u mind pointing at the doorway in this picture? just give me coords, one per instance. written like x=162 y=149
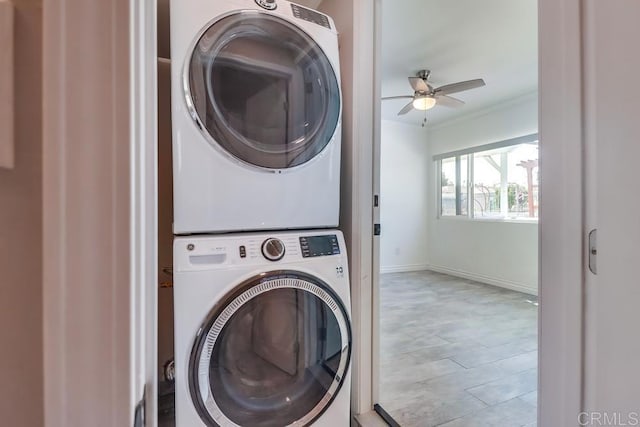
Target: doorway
x=561 y=239
x=458 y=192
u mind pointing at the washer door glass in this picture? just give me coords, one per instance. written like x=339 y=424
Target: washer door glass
x=263 y=90
x=273 y=354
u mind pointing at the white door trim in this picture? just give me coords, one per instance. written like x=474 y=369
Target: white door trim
x=99 y=233
x=144 y=202
x=377 y=125
x=561 y=223
x=361 y=211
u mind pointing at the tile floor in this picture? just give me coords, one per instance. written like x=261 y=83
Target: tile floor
x=457 y=353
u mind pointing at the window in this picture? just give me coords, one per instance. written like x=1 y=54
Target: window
x=504 y=180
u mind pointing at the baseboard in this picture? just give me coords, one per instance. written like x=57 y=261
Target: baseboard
x=404 y=268
x=484 y=279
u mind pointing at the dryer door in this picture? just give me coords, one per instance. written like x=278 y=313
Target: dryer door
x=272 y=354
x=262 y=90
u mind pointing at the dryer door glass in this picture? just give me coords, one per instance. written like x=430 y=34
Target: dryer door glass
x=262 y=90
x=275 y=353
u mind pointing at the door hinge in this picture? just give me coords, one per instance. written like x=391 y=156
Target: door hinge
x=376 y=200
x=376 y=229
x=139 y=415
x=593 y=251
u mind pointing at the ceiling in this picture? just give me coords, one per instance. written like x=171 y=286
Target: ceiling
x=458 y=40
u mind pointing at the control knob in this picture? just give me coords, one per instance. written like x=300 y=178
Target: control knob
x=273 y=249
x=267 y=4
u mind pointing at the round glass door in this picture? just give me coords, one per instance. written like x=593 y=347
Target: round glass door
x=273 y=354
x=263 y=90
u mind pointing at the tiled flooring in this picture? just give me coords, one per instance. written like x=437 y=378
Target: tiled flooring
x=456 y=353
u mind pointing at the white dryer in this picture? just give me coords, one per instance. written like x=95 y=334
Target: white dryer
x=256 y=111
x=263 y=335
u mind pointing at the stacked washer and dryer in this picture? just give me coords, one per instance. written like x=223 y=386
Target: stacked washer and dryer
x=261 y=288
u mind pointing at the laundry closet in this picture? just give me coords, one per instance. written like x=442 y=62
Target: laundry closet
x=254 y=311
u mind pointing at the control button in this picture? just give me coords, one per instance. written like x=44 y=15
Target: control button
x=243 y=252
x=267 y=4
x=273 y=249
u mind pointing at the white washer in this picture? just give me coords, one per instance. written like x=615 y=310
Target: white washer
x=263 y=335
x=256 y=112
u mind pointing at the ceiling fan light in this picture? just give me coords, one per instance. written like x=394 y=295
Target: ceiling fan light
x=424 y=103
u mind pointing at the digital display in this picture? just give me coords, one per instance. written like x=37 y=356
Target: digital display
x=310 y=16
x=315 y=246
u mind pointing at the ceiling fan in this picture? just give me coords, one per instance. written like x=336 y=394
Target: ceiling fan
x=426 y=96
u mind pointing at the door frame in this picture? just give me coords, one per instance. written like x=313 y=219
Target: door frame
x=99 y=211
x=359 y=90
x=561 y=225
x=562 y=231
x=144 y=210
x=99 y=208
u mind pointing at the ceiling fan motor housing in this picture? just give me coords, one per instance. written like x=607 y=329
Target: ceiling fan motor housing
x=424 y=74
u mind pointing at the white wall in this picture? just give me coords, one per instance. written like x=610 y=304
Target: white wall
x=506 y=120
x=499 y=253
x=403 y=194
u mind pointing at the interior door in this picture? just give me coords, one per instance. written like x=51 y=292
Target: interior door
x=612 y=60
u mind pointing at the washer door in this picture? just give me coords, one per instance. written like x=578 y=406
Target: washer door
x=274 y=353
x=262 y=90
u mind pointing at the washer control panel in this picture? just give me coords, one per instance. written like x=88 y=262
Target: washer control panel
x=316 y=246
x=310 y=16
x=200 y=253
x=267 y=4
x=273 y=249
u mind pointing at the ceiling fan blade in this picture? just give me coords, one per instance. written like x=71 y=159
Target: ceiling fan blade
x=448 y=101
x=459 y=87
x=418 y=84
x=406 y=109
x=386 y=98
